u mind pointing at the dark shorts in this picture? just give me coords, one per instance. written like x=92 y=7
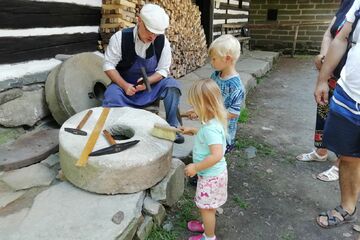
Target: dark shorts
x=341 y=135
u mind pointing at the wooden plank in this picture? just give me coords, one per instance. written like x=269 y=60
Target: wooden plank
x=14 y=49
x=230 y=16
x=93 y=138
x=18 y=14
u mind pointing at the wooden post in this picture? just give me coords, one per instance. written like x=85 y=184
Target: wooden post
x=295 y=39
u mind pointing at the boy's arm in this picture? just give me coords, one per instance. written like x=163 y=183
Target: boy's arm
x=237 y=98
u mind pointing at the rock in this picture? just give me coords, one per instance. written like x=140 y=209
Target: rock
x=65 y=212
x=356 y=227
x=31 y=105
x=171 y=188
x=154 y=209
x=145 y=229
x=250 y=152
x=118 y=217
x=51 y=161
x=28 y=177
x=347 y=235
x=168 y=226
x=266 y=129
x=220 y=210
x=10 y=95
x=9 y=197
x=269 y=170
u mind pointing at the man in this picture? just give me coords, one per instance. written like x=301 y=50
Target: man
x=342 y=128
x=143 y=46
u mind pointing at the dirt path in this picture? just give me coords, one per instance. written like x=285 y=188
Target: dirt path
x=272 y=196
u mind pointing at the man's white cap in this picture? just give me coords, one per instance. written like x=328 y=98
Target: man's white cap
x=155 y=18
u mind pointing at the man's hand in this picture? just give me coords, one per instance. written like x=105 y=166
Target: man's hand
x=129 y=89
x=321 y=93
x=319 y=60
x=188 y=130
x=190 y=170
x=140 y=87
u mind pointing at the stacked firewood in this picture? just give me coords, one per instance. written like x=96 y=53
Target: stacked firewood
x=185 y=33
x=116 y=15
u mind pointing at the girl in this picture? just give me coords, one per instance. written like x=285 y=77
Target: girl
x=208 y=155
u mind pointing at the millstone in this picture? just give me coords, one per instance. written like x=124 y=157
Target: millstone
x=77 y=84
x=135 y=169
x=28 y=149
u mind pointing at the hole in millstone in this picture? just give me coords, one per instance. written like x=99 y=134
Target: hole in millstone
x=121 y=132
x=99 y=90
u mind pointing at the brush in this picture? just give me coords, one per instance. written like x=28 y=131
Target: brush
x=164 y=131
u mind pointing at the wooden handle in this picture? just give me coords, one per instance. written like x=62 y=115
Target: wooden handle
x=85 y=118
x=166 y=127
x=92 y=139
x=108 y=137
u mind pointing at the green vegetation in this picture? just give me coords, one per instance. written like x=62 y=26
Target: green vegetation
x=241 y=203
x=288 y=236
x=160 y=234
x=262 y=149
x=244 y=116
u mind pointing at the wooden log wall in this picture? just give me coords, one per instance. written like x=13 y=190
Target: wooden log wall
x=229 y=11
x=34 y=30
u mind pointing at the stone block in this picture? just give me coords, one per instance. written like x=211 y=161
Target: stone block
x=155 y=210
x=145 y=228
x=171 y=188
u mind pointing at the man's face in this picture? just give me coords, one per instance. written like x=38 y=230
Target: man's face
x=145 y=35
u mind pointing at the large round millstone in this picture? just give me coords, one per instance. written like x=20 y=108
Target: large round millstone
x=77 y=84
x=135 y=169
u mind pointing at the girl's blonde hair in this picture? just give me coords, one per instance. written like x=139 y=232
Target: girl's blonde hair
x=226 y=45
x=205 y=97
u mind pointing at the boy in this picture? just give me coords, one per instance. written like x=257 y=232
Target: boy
x=224 y=53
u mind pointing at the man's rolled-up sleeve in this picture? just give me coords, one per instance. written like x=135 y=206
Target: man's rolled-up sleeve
x=113 y=52
x=164 y=63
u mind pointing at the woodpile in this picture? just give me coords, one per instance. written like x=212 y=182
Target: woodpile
x=185 y=33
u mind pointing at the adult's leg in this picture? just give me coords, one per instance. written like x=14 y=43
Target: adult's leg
x=171 y=98
x=209 y=221
x=349 y=182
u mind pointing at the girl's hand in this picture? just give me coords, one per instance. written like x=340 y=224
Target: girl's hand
x=188 y=130
x=191 y=114
x=190 y=170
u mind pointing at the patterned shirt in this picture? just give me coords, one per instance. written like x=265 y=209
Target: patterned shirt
x=233 y=93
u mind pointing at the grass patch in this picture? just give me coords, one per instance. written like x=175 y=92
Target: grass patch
x=160 y=234
x=288 y=236
x=240 y=202
x=261 y=149
x=187 y=209
x=259 y=80
x=244 y=116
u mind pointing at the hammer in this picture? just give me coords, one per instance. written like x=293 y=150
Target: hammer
x=77 y=130
x=144 y=80
x=115 y=147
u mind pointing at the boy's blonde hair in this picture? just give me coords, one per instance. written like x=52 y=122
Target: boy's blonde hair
x=205 y=97
x=226 y=45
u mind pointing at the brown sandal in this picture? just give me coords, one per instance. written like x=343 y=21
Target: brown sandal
x=334 y=220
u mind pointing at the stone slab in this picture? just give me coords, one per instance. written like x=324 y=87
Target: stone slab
x=30 y=148
x=31 y=105
x=8 y=197
x=32 y=176
x=132 y=170
x=65 y=212
x=255 y=67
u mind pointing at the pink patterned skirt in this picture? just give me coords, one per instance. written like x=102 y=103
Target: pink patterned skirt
x=211 y=192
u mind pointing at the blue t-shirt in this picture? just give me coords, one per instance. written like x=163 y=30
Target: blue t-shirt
x=233 y=93
x=209 y=133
